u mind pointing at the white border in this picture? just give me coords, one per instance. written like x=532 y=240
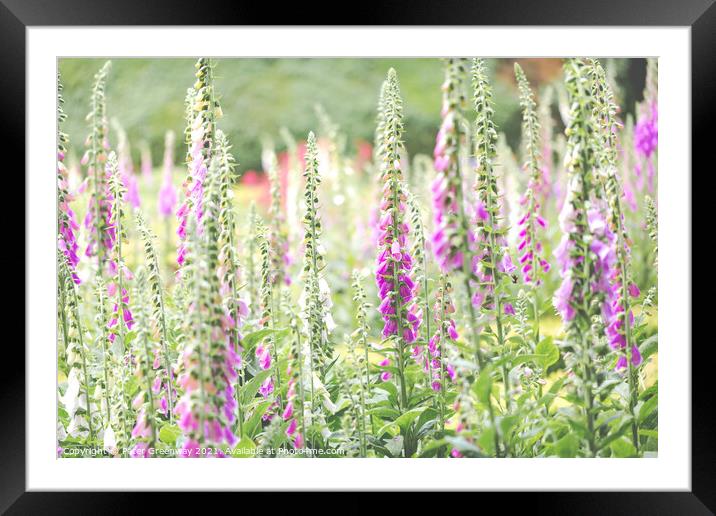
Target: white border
x=671 y=470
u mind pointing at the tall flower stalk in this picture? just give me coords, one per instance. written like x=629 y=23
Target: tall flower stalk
x=393 y=274
x=492 y=263
x=266 y=352
x=359 y=341
x=315 y=298
x=294 y=413
x=103 y=343
x=420 y=267
x=549 y=184
x=379 y=137
x=207 y=409
x=202 y=111
x=585 y=254
x=121 y=318
x=156 y=297
x=435 y=356
x=532 y=263
x=453 y=241
x=100 y=240
x=453 y=238
x=449 y=239
x=293 y=174
x=278 y=238
x=250 y=260
x=236 y=309
x=616 y=309
x=78 y=379
x=145 y=431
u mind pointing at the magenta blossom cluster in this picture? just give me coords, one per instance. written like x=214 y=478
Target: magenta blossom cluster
x=532 y=264
x=447 y=183
x=646 y=140
x=129 y=178
x=208 y=396
x=616 y=320
x=562 y=298
x=193 y=186
x=67 y=221
x=444 y=190
x=126 y=312
x=162 y=387
x=430 y=357
x=395 y=286
x=101 y=201
x=263 y=355
x=141 y=430
x=484 y=293
x=604 y=278
x=288 y=412
x=385 y=375
x=609 y=284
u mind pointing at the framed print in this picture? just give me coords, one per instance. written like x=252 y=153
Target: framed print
x=452 y=255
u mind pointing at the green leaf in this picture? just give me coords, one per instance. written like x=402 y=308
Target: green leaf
x=168 y=434
x=389 y=387
x=405 y=419
x=395 y=445
x=649 y=346
x=250 y=388
x=528 y=357
x=649 y=433
x=129 y=337
x=390 y=428
x=486 y=441
x=425 y=422
x=647 y=408
x=254 y=422
x=507 y=423
x=384 y=412
x=548 y=351
x=616 y=433
x=623 y=448
x=432 y=448
x=249 y=341
x=567 y=446
x=483 y=385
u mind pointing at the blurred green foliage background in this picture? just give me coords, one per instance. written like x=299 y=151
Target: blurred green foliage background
x=259 y=96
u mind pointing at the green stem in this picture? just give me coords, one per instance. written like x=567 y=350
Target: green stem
x=165 y=349
x=491 y=412
x=105 y=353
x=299 y=358
x=95 y=166
x=274 y=345
x=367 y=372
x=442 y=365
x=150 y=414
x=84 y=364
x=588 y=397
x=397 y=300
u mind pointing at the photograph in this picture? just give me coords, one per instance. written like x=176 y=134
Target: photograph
x=357 y=257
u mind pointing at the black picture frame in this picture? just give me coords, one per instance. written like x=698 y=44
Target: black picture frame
x=700 y=15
